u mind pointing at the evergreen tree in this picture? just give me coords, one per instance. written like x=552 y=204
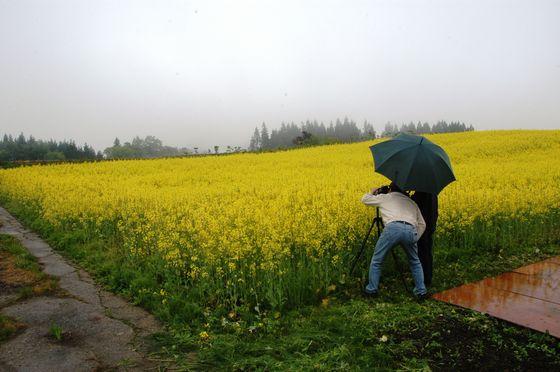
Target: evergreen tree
x=265 y=139
x=390 y=130
x=255 y=143
x=330 y=130
x=368 y=131
x=322 y=130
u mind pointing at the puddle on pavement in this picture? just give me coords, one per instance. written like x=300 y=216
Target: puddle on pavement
x=528 y=296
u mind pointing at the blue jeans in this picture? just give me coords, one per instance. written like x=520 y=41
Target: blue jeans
x=397 y=233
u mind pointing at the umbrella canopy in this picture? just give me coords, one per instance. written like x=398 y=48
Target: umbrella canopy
x=413 y=163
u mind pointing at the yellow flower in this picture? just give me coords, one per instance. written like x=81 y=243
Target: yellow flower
x=204 y=336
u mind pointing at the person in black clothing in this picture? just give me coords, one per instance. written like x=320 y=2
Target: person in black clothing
x=428 y=205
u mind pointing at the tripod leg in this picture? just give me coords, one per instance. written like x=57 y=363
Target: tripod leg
x=362 y=248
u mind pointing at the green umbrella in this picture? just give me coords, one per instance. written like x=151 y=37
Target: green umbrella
x=413 y=163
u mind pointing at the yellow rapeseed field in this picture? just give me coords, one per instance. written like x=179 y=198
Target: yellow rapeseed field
x=252 y=221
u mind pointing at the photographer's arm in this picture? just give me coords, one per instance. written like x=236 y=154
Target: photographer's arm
x=373 y=200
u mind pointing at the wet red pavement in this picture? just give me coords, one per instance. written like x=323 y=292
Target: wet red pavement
x=528 y=296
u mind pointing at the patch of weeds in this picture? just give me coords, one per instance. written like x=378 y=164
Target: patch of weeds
x=20 y=271
x=24 y=292
x=124 y=363
x=47 y=286
x=9 y=327
x=55 y=332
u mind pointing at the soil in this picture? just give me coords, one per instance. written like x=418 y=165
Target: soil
x=451 y=343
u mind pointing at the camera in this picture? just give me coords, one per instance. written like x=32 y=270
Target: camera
x=383 y=190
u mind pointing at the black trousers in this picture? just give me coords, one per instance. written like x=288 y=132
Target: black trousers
x=425 y=245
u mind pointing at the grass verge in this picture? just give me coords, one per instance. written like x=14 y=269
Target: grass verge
x=20 y=272
x=20 y=277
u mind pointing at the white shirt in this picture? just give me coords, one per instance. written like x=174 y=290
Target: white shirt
x=395 y=206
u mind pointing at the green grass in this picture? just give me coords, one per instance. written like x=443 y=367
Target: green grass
x=339 y=329
x=23 y=259
x=55 y=331
x=389 y=333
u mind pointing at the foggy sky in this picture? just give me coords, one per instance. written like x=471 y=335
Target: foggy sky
x=204 y=73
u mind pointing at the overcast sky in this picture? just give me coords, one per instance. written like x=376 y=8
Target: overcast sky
x=200 y=73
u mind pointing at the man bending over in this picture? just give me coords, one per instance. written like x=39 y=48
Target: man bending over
x=404 y=225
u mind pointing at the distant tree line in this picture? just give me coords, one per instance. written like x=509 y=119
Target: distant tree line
x=310 y=133
x=307 y=133
x=29 y=148
x=21 y=148
x=148 y=147
x=425 y=128
x=341 y=131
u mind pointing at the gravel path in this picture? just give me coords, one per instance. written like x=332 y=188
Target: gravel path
x=101 y=331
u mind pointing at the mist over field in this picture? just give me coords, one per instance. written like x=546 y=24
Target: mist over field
x=199 y=74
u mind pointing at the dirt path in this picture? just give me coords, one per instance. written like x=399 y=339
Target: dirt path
x=100 y=330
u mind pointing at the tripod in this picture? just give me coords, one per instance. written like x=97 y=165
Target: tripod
x=377 y=221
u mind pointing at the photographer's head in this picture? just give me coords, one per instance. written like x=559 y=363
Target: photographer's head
x=386 y=189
